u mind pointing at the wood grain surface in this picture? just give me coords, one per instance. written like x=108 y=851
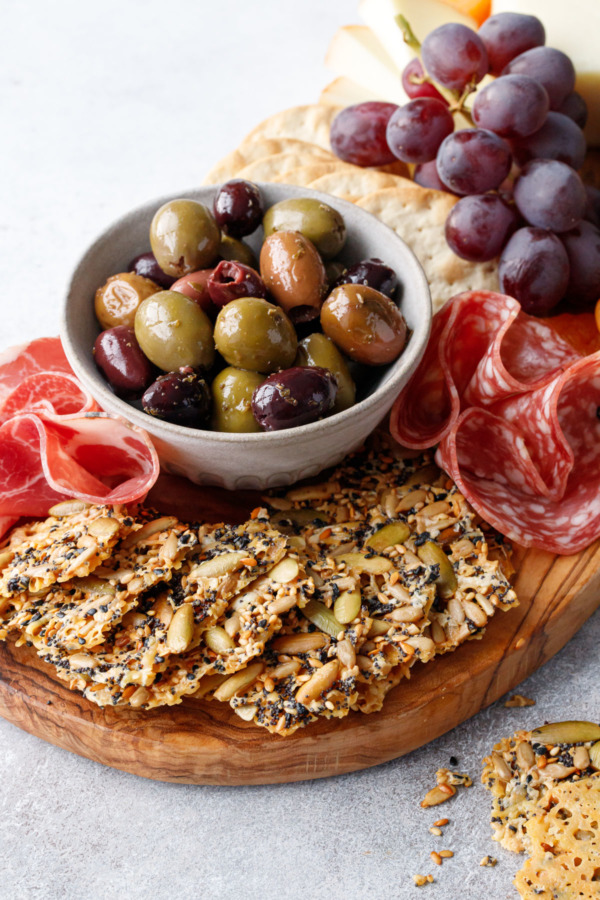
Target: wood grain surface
x=206 y=743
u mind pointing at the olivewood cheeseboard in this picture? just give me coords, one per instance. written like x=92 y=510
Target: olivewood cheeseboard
x=202 y=742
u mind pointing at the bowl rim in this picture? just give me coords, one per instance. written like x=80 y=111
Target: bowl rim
x=166 y=430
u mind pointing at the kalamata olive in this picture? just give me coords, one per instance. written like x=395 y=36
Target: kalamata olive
x=232 y=391
x=294 y=274
x=116 y=302
x=365 y=324
x=294 y=397
x=184 y=237
x=195 y=286
x=238 y=207
x=251 y=333
x=145 y=265
x=318 y=350
x=181 y=397
x=120 y=359
x=237 y=251
x=372 y=273
x=321 y=224
x=232 y=280
x=173 y=331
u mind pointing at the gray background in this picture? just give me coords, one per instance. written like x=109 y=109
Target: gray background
x=103 y=106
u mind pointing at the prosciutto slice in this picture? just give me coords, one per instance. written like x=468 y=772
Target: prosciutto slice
x=55 y=442
x=517 y=420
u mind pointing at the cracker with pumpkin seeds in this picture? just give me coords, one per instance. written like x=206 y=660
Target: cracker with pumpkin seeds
x=522 y=772
x=62 y=547
x=78 y=615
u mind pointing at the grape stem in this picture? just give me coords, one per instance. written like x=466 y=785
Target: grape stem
x=456 y=101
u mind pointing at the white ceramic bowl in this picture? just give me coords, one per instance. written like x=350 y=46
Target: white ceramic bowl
x=250 y=461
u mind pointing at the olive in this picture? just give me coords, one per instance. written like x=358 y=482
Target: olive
x=333 y=269
x=173 y=331
x=145 y=264
x=237 y=251
x=232 y=280
x=238 y=207
x=294 y=274
x=372 y=273
x=116 y=302
x=181 y=397
x=120 y=359
x=318 y=350
x=232 y=391
x=317 y=221
x=365 y=324
x=294 y=397
x=184 y=237
x=195 y=286
x=251 y=333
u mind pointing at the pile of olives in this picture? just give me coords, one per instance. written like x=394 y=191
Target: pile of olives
x=200 y=333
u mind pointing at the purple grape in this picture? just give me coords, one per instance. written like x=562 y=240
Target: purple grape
x=120 y=359
x=372 y=273
x=473 y=161
x=146 y=265
x=454 y=56
x=416 y=130
x=426 y=174
x=583 y=249
x=551 y=67
x=558 y=138
x=592 y=209
x=181 y=397
x=512 y=106
x=549 y=194
x=238 y=207
x=507 y=35
x=575 y=108
x=413 y=89
x=294 y=397
x=358 y=134
x=479 y=226
x=534 y=269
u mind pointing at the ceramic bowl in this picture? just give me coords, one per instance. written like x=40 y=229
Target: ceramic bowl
x=269 y=459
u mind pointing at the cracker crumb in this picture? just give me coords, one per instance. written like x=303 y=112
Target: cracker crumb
x=518 y=700
x=488 y=861
x=420 y=880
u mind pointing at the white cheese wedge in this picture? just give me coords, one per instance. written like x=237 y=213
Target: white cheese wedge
x=355 y=53
x=343 y=91
x=574 y=28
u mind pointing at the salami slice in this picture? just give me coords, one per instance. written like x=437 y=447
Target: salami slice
x=483 y=349
x=56 y=444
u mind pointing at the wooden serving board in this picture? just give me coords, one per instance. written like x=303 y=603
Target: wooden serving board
x=206 y=743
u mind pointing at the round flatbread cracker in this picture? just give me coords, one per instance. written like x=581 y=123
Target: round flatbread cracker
x=352 y=183
x=231 y=164
x=305 y=123
x=304 y=175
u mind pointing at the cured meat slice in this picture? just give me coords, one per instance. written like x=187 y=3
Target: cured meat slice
x=56 y=444
x=531 y=465
x=482 y=349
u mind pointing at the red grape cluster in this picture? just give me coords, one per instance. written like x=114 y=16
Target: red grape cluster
x=515 y=170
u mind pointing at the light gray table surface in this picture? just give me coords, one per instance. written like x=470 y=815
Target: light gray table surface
x=104 y=105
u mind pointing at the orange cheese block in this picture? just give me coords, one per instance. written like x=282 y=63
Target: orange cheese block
x=479 y=10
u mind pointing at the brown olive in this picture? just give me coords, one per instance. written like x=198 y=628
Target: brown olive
x=184 y=237
x=116 y=302
x=294 y=274
x=173 y=331
x=251 y=333
x=319 y=350
x=364 y=324
x=318 y=222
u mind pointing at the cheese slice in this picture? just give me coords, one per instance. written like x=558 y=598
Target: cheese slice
x=573 y=29
x=343 y=91
x=357 y=54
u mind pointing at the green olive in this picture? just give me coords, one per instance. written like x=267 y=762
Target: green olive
x=333 y=269
x=365 y=324
x=232 y=249
x=317 y=221
x=294 y=274
x=173 y=331
x=251 y=333
x=184 y=237
x=319 y=350
x=232 y=391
